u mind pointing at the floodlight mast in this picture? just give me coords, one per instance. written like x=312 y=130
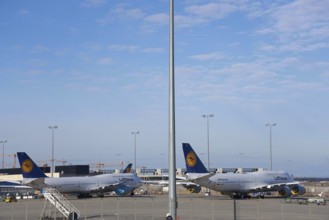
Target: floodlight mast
x=3 y=152
x=52 y=149
x=270 y=125
x=135 y=133
x=172 y=151
x=207 y=116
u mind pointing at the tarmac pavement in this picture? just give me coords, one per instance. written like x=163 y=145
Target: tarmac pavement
x=190 y=207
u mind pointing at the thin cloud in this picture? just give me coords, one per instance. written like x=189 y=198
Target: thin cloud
x=299 y=85
x=28 y=82
x=134 y=13
x=93 y=46
x=24 y=12
x=206 y=57
x=73 y=30
x=121 y=13
x=129 y=48
x=301 y=16
x=122 y=10
x=36 y=72
x=93 y=3
x=38 y=62
x=182 y=21
x=135 y=48
x=62 y=52
x=299 y=26
x=105 y=61
x=94 y=90
x=157 y=19
x=251 y=82
x=40 y=49
x=153 y=50
x=296 y=46
x=212 y=10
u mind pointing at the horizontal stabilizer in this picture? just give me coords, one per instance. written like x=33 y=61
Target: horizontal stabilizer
x=35 y=183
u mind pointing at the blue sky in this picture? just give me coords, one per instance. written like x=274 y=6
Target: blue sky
x=99 y=70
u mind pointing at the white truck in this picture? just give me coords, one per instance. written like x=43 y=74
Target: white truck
x=318 y=201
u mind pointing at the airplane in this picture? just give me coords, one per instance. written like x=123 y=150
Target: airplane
x=240 y=185
x=122 y=183
x=163 y=180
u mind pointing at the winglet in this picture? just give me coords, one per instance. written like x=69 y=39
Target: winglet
x=128 y=168
x=29 y=168
x=192 y=161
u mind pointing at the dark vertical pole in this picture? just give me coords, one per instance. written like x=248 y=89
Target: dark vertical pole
x=234 y=208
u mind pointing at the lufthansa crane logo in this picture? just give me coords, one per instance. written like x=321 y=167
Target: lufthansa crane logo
x=128 y=170
x=27 y=166
x=191 y=159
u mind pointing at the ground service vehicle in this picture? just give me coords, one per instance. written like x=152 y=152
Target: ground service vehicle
x=10 y=199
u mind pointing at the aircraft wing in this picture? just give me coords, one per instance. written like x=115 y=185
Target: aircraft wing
x=190 y=186
x=186 y=184
x=38 y=183
x=203 y=177
x=107 y=188
x=270 y=187
x=156 y=182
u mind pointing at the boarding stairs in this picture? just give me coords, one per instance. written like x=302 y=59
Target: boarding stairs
x=61 y=203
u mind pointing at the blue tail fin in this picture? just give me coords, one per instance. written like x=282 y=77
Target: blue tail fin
x=29 y=168
x=128 y=168
x=193 y=163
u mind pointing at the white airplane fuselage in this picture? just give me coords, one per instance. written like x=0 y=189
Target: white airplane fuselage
x=241 y=182
x=89 y=184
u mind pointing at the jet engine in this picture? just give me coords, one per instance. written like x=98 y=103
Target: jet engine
x=285 y=191
x=123 y=190
x=298 y=190
x=193 y=188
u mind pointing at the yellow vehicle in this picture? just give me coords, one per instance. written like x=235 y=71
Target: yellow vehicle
x=10 y=199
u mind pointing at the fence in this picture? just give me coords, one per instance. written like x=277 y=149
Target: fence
x=190 y=207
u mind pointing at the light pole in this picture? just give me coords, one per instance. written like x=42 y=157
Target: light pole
x=270 y=125
x=163 y=161
x=207 y=117
x=290 y=167
x=135 y=133
x=241 y=157
x=118 y=155
x=3 y=152
x=52 y=148
x=172 y=125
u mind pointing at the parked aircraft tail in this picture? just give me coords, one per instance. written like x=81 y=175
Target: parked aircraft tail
x=128 y=168
x=29 y=168
x=193 y=162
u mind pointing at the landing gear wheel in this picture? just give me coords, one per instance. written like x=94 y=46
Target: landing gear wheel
x=73 y=216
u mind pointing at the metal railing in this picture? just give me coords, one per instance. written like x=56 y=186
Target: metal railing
x=61 y=203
